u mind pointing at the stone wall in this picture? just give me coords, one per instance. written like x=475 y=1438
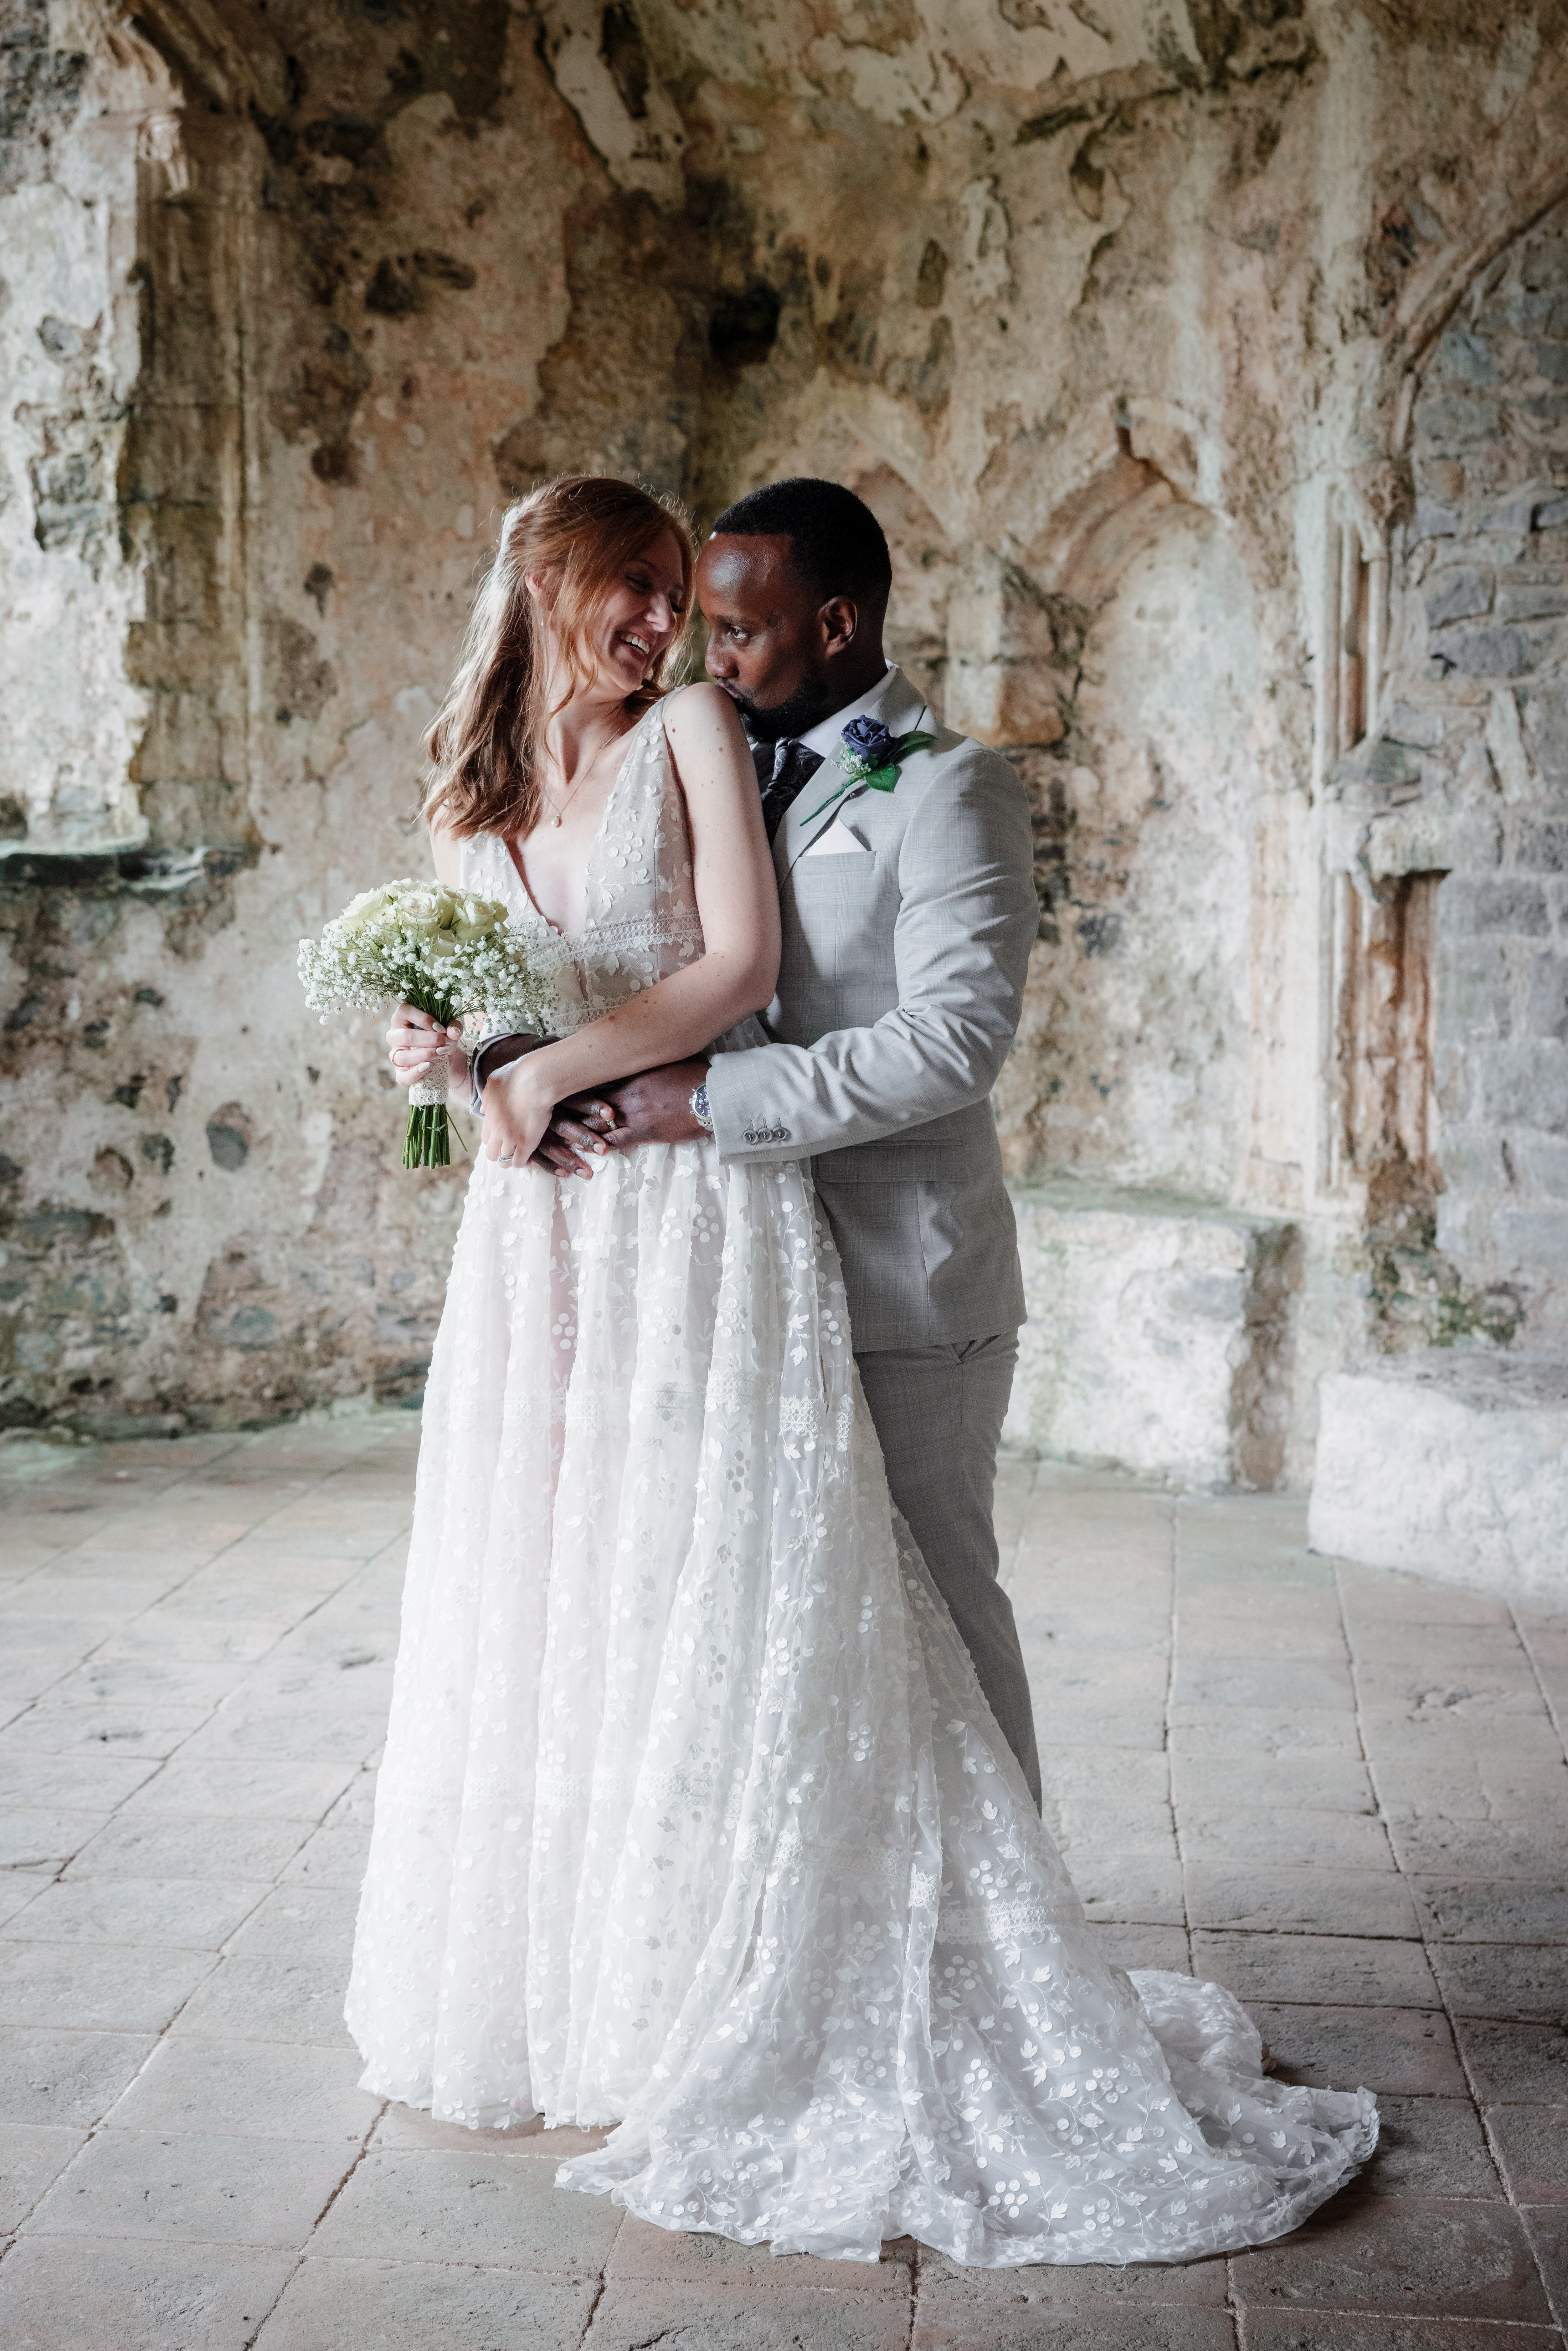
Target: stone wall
x=1478 y=680
x=1143 y=328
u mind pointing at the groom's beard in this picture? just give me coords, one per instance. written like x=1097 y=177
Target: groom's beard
x=811 y=703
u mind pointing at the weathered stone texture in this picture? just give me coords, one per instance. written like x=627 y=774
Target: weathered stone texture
x=1125 y=320
x=1449 y=1465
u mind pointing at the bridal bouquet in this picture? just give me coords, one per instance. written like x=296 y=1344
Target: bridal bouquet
x=444 y=951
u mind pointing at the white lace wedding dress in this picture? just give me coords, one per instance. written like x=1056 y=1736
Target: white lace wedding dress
x=693 y=1817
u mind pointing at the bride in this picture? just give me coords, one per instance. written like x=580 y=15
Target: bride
x=693 y=1818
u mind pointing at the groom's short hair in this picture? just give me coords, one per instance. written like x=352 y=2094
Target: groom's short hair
x=836 y=543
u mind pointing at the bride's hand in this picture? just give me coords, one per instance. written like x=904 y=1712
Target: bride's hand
x=412 y=1042
x=517 y=1114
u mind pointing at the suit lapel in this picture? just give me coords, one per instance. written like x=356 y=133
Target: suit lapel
x=899 y=707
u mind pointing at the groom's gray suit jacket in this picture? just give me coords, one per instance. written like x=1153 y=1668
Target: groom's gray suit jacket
x=899 y=993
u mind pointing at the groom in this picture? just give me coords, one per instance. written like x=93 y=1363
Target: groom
x=906 y=884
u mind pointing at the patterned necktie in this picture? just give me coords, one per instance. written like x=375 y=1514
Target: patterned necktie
x=783 y=771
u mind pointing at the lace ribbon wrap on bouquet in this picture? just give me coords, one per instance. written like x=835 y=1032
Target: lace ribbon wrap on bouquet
x=426 y=1141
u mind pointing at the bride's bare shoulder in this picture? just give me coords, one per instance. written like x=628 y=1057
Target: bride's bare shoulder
x=693 y=713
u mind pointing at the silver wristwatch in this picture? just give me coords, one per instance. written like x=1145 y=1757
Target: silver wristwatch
x=700 y=1111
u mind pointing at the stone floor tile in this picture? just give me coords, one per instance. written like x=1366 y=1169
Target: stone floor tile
x=1502 y=1980
x=55 y=1730
x=267 y=1999
x=1076 y=1620
x=1478 y=1783
x=19 y=1887
x=1547 y=2228
x=1469 y=1696
x=354 y=1681
x=1493 y=1910
x=1404 y=2049
x=1520 y=1735
x=1144 y=1946
x=1514 y=2063
x=1253 y=1604
x=147 y=1845
x=1139 y=1890
x=83 y=2293
x=1339 y=2330
x=301 y=1921
x=191 y=1640
x=105 y=1985
x=1416 y=1601
x=247 y=1599
x=675 y=2257
x=1087 y=1721
x=1061 y=1670
x=1419 y=2256
x=1460 y=1649
x=66 y=2077
x=199 y=1913
x=355 y=1808
x=490 y=2210
x=84 y=1784
x=1471 y=1849
x=95 y=1601
x=1531 y=2144
x=1210 y=1680
x=1264 y=1730
x=631 y=2317
x=260 y=1789
x=1300 y=1901
x=1309 y=1781
x=27 y=1674
x=1337 y=1970
x=332 y=1857
x=151 y=1682
x=1042 y=2288
x=1086 y=2325
x=406 y=2127
x=1284 y=1840
x=1431 y=2147
x=1116 y=1775
x=242 y=1733
x=426 y=2306
x=1316 y=1639
x=44 y=1836
x=1091 y=1825
x=32 y=2155
x=247 y=2089
x=252 y=2191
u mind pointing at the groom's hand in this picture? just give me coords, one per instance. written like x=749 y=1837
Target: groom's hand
x=655 y=1106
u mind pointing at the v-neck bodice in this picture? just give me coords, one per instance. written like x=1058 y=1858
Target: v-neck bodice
x=640 y=910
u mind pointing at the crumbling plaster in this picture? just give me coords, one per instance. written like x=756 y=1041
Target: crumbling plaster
x=1109 y=311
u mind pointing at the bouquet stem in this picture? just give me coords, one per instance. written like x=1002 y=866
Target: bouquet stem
x=427 y=1138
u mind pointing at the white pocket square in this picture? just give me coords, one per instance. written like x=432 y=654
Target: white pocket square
x=839 y=841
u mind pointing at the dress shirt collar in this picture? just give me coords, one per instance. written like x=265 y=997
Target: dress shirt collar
x=824 y=737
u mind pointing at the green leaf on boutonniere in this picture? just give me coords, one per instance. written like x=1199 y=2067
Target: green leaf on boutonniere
x=859 y=773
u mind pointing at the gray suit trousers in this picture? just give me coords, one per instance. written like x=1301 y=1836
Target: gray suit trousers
x=938 y=1412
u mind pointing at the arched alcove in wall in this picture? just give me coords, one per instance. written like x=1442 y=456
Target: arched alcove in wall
x=1134 y=1045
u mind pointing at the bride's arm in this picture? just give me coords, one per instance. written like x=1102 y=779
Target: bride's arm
x=737 y=899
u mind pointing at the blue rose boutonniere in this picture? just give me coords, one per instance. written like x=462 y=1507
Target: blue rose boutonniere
x=871 y=756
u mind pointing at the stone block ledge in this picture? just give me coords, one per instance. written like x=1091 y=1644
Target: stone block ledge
x=1454 y=1466
x=1158 y=1335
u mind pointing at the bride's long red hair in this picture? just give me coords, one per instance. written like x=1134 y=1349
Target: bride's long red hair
x=484 y=748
